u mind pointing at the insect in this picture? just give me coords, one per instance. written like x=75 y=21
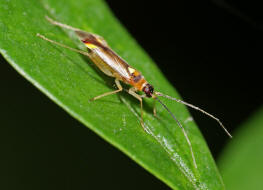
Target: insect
x=114 y=66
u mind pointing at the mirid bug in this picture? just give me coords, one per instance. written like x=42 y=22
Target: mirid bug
x=114 y=66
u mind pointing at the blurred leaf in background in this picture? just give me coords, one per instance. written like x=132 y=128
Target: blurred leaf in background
x=241 y=161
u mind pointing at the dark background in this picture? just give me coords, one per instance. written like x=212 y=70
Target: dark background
x=211 y=51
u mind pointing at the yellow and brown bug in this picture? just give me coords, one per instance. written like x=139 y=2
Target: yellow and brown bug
x=114 y=66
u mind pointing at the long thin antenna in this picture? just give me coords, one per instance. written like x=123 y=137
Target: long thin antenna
x=196 y=108
x=180 y=125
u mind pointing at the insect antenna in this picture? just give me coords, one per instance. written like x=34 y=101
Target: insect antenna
x=180 y=125
x=196 y=108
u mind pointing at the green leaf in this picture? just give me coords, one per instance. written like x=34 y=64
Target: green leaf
x=241 y=162
x=70 y=80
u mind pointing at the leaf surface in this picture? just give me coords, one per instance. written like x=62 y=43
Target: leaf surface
x=70 y=80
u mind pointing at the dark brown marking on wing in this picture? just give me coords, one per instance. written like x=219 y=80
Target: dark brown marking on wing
x=90 y=38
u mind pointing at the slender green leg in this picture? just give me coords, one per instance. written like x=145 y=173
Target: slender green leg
x=109 y=93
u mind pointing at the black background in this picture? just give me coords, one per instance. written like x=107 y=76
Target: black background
x=209 y=50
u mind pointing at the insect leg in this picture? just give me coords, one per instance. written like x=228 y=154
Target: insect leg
x=62 y=45
x=154 y=108
x=109 y=93
x=83 y=35
x=132 y=91
x=61 y=24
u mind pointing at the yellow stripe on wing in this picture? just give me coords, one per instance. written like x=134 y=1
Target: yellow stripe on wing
x=91 y=46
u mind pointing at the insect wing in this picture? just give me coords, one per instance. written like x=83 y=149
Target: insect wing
x=119 y=66
x=104 y=57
